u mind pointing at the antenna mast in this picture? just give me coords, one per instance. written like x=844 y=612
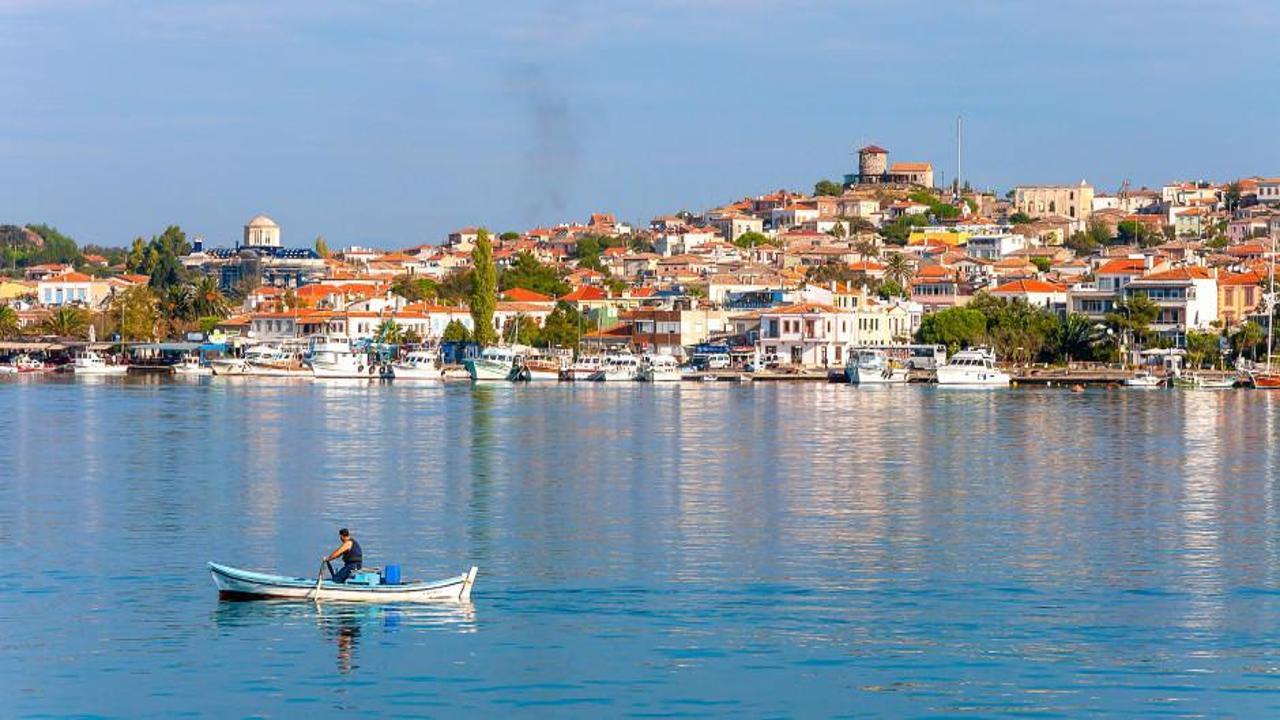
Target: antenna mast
x=959 y=126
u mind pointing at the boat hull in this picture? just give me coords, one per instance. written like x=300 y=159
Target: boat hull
x=234 y=583
x=421 y=374
x=968 y=377
x=109 y=370
x=865 y=376
x=483 y=371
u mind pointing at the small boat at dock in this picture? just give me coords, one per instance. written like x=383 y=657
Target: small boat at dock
x=234 y=583
x=91 y=363
x=874 y=367
x=1144 y=380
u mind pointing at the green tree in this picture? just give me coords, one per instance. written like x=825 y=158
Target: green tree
x=1202 y=349
x=526 y=272
x=1247 y=339
x=1014 y=328
x=1132 y=232
x=522 y=328
x=836 y=272
x=56 y=248
x=1020 y=218
x=891 y=289
x=509 y=236
x=322 y=246
x=867 y=249
x=207 y=299
x=137 y=312
x=898 y=231
x=389 y=332
x=1043 y=264
x=955 y=327
x=8 y=322
x=67 y=322
x=752 y=239
x=827 y=187
x=899 y=269
x=160 y=259
x=484 y=291
x=455 y=331
x=1232 y=196
x=562 y=328
x=456 y=287
x=1132 y=317
x=415 y=289
x=1075 y=337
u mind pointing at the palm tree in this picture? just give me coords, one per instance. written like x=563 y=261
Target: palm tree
x=389 y=332
x=207 y=299
x=8 y=322
x=67 y=321
x=898 y=268
x=867 y=249
x=1074 y=337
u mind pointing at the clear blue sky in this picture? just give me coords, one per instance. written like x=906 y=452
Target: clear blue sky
x=390 y=122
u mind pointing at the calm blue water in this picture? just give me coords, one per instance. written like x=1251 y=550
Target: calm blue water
x=805 y=550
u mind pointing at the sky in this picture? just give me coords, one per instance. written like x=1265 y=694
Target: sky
x=391 y=122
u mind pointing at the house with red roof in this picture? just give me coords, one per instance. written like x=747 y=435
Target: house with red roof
x=1239 y=295
x=1032 y=291
x=807 y=334
x=1187 y=298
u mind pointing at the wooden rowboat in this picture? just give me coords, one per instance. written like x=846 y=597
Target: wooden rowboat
x=234 y=583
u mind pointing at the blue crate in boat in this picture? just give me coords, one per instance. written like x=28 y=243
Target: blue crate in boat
x=364 y=578
x=391 y=575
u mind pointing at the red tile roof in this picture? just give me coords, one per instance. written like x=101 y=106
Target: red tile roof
x=519 y=294
x=1022 y=287
x=585 y=292
x=1123 y=266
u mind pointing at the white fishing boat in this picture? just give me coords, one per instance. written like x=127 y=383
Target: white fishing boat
x=497 y=362
x=873 y=367
x=190 y=366
x=1193 y=381
x=417 y=365
x=8 y=370
x=1145 y=380
x=234 y=583
x=975 y=367
x=256 y=356
x=659 y=367
x=619 y=367
x=91 y=363
x=27 y=364
x=337 y=357
x=584 y=367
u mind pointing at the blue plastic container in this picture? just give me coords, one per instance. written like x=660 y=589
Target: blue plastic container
x=391 y=575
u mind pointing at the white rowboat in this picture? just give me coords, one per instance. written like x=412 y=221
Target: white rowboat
x=246 y=584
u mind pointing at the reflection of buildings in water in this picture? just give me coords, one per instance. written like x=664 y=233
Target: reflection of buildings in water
x=1200 y=508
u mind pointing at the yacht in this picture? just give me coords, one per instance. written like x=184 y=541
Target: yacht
x=417 y=365
x=91 y=363
x=255 y=356
x=620 y=367
x=659 y=368
x=584 y=367
x=190 y=365
x=337 y=357
x=873 y=367
x=497 y=362
x=975 y=367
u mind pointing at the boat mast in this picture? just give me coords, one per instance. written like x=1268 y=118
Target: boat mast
x=1270 y=299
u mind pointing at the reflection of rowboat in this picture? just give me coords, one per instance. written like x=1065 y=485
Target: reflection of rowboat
x=245 y=584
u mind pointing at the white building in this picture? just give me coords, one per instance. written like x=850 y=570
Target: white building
x=807 y=334
x=262 y=231
x=1187 y=297
x=995 y=247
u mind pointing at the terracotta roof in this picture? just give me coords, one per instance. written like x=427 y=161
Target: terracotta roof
x=1182 y=273
x=519 y=294
x=71 y=277
x=804 y=307
x=905 y=167
x=585 y=292
x=1021 y=287
x=1123 y=266
x=874 y=149
x=1253 y=277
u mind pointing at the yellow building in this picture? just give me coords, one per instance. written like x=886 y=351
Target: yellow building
x=928 y=237
x=12 y=289
x=1072 y=201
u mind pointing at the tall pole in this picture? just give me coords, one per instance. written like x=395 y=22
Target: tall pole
x=959 y=123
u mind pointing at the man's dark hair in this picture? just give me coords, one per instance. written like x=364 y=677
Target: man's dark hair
x=344 y=532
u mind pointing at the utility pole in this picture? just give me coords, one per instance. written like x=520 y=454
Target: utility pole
x=959 y=124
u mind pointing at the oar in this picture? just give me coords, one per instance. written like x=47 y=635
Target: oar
x=319 y=580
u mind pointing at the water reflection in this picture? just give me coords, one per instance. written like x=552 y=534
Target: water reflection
x=344 y=626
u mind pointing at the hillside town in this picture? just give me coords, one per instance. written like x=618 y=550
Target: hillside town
x=1048 y=274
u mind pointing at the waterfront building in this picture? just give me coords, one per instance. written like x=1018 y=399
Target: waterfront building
x=937 y=287
x=1037 y=293
x=1238 y=296
x=806 y=334
x=1187 y=297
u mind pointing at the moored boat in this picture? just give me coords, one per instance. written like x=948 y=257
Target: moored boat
x=417 y=365
x=497 y=362
x=617 y=368
x=190 y=366
x=660 y=367
x=91 y=363
x=337 y=357
x=235 y=583
x=975 y=367
x=873 y=367
x=584 y=367
x=1144 y=379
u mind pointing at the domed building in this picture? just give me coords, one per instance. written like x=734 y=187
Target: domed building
x=262 y=231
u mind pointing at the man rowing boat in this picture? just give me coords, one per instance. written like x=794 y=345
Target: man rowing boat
x=351 y=554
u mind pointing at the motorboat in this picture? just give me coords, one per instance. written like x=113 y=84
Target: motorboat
x=257 y=356
x=417 y=365
x=873 y=367
x=975 y=367
x=584 y=367
x=8 y=370
x=338 y=357
x=1203 y=382
x=1144 y=379
x=190 y=366
x=496 y=362
x=617 y=368
x=91 y=363
x=660 y=367
x=28 y=364
x=234 y=583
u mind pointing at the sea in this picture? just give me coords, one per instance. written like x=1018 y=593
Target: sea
x=690 y=550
